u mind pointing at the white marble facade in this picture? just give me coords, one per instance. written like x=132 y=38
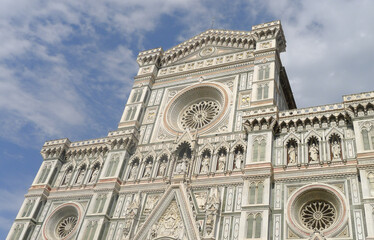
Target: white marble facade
x=211 y=145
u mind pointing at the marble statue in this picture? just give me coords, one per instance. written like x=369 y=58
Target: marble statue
x=238 y=160
x=221 y=162
x=336 y=150
x=162 y=169
x=94 y=175
x=67 y=177
x=81 y=175
x=134 y=171
x=205 y=165
x=313 y=153
x=292 y=154
x=148 y=169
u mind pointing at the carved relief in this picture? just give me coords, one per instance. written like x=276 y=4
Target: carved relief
x=169 y=225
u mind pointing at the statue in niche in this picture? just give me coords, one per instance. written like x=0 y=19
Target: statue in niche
x=336 y=150
x=182 y=165
x=148 y=169
x=81 y=175
x=162 y=169
x=292 y=154
x=221 y=162
x=238 y=160
x=134 y=171
x=205 y=165
x=67 y=177
x=313 y=152
x=94 y=175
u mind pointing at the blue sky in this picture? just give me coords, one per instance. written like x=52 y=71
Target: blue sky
x=66 y=67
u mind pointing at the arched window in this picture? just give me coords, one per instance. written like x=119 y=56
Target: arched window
x=112 y=167
x=258 y=226
x=259 y=92
x=368 y=138
x=137 y=95
x=256 y=192
x=250 y=221
x=259 y=148
x=254 y=225
x=264 y=72
x=371 y=183
x=252 y=193
x=44 y=173
x=266 y=91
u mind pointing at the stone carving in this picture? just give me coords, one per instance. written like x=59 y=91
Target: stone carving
x=67 y=177
x=94 y=175
x=169 y=225
x=201 y=200
x=162 y=169
x=313 y=153
x=151 y=203
x=238 y=160
x=182 y=165
x=148 y=169
x=134 y=171
x=126 y=229
x=336 y=150
x=133 y=207
x=199 y=114
x=292 y=154
x=221 y=162
x=81 y=175
x=211 y=209
x=205 y=165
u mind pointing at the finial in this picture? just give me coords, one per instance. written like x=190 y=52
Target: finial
x=212 y=25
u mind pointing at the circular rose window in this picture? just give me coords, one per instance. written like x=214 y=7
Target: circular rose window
x=62 y=223
x=316 y=207
x=196 y=108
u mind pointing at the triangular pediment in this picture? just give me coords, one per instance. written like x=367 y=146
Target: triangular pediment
x=172 y=218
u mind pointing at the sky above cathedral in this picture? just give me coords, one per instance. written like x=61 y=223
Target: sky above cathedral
x=66 y=67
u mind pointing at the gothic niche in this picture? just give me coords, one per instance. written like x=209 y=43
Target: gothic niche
x=239 y=157
x=81 y=174
x=163 y=165
x=313 y=150
x=221 y=163
x=292 y=151
x=183 y=158
x=335 y=147
x=134 y=166
x=95 y=173
x=204 y=169
x=67 y=177
x=148 y=165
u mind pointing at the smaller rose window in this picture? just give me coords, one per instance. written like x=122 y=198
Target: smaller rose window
x=199 y=114
x=66 y=226
x=318 y=215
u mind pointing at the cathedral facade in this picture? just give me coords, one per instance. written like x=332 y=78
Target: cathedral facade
x=211 y=146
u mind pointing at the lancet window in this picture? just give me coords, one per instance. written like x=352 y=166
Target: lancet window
x=262 y=91
x=254 y=223
x=44 y=174
x=368 y=138
x=17 y=232
x=28 y=208
x=90 y=230
x=130 y=113
x=137 y=95
x=99 y=203
x=371 y=183
x=259 y=147
x=256 y=192
x=264 y=72
x=112 y=166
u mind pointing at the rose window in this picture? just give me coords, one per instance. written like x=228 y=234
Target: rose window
x=318 y=215
x=66 y=226
x=199 y=114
